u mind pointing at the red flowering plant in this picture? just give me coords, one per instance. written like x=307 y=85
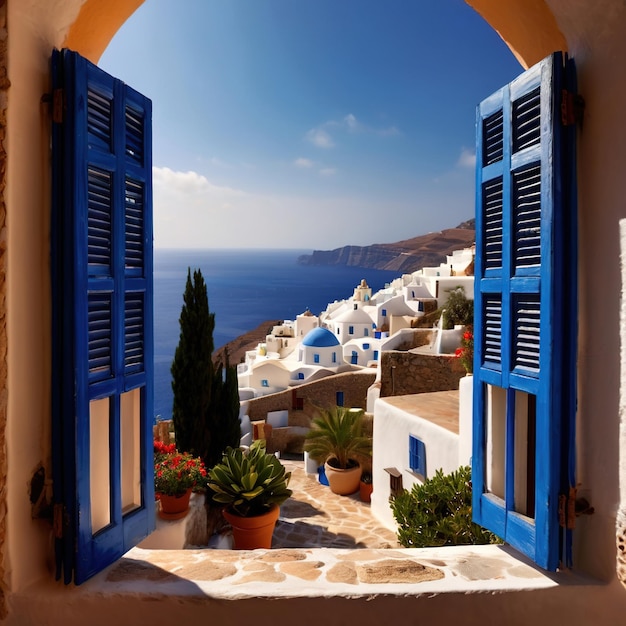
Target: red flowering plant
x=175 y=472
x=466 y=351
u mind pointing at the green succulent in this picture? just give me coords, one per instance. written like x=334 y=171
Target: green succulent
x=337 y=433
x=249 y=481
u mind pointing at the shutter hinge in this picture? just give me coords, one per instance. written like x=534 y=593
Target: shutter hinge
x=567 y=508
x=58 y=520
x=57 y=100
x=572 y=108
x=571 y=507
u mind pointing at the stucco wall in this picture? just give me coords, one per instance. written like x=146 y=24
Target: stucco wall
x=621 y=514
x=4 y=89
x=392 y=428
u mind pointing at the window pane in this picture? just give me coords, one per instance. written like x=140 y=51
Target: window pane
x=524 y=477
x=99 y=464
x=130 y=437
x=496 y=440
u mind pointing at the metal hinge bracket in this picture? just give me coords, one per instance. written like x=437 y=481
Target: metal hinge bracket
x=58 y=520
x=572 y=108
x=58 y=102
x=567 y=509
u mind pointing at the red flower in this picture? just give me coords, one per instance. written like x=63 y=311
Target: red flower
x=175 y=472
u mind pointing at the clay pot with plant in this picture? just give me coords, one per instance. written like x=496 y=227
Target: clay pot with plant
x=337 y=440
x=176 y=475
x=252 y=484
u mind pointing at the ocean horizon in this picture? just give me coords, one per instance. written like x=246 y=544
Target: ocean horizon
x=245 y=288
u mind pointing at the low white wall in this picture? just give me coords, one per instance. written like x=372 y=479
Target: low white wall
x=191 y=530
x=466 y=398
x=392 y=427
x=278 y=419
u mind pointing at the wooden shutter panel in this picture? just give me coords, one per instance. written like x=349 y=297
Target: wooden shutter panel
x=102 y=318
x=524 y=390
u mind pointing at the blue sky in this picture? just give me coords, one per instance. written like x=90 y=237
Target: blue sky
x=310 y=123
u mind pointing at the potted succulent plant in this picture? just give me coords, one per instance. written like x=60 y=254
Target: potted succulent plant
x=337 y=440
x=366 y=487
x=176 y=474
x=252 y=485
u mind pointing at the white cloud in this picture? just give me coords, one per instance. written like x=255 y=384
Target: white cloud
x=320 y=138
x=351 y=122
x=218 y=162
x=302 y=162
x=328 y=171
x=188 y=184
x=467 y=158
x=190 y=211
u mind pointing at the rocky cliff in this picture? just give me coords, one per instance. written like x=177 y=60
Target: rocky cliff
x=403 y=256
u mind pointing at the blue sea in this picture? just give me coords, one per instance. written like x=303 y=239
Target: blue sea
x=245 y=288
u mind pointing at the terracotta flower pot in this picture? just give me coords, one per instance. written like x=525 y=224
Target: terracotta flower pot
x=365 y=491
x=250 y=533
x=343 y=481
x=174 y=507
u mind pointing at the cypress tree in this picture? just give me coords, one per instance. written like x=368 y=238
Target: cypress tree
x=204 y=422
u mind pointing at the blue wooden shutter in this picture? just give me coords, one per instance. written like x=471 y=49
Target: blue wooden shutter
x=417 y=455
x=102 y=317
x=525 y=312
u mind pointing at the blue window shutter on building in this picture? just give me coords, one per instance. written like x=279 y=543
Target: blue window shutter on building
x=525 y=313
x=417 y=455
x=102 y=317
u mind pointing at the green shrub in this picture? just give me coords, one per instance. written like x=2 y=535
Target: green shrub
x=439 y=513
x=459 y=309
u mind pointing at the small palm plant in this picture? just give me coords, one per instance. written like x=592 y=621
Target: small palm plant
x=337 y=437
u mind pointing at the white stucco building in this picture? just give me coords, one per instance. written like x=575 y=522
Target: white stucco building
x=353 y=323
x=320 y=348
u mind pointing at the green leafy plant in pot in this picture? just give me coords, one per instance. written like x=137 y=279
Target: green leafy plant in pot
x=337 y=440
x=252 y=485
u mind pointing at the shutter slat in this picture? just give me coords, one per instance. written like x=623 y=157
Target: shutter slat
x=99 y=191
x=527 y=217
x=99 y=120
x=527 y=121
x=99 y=335
x=133 y=332
x=492 y=217
x=134 y=224
x=134 y=134
x=493 y=138
x=526 y=333
x=493 y=330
